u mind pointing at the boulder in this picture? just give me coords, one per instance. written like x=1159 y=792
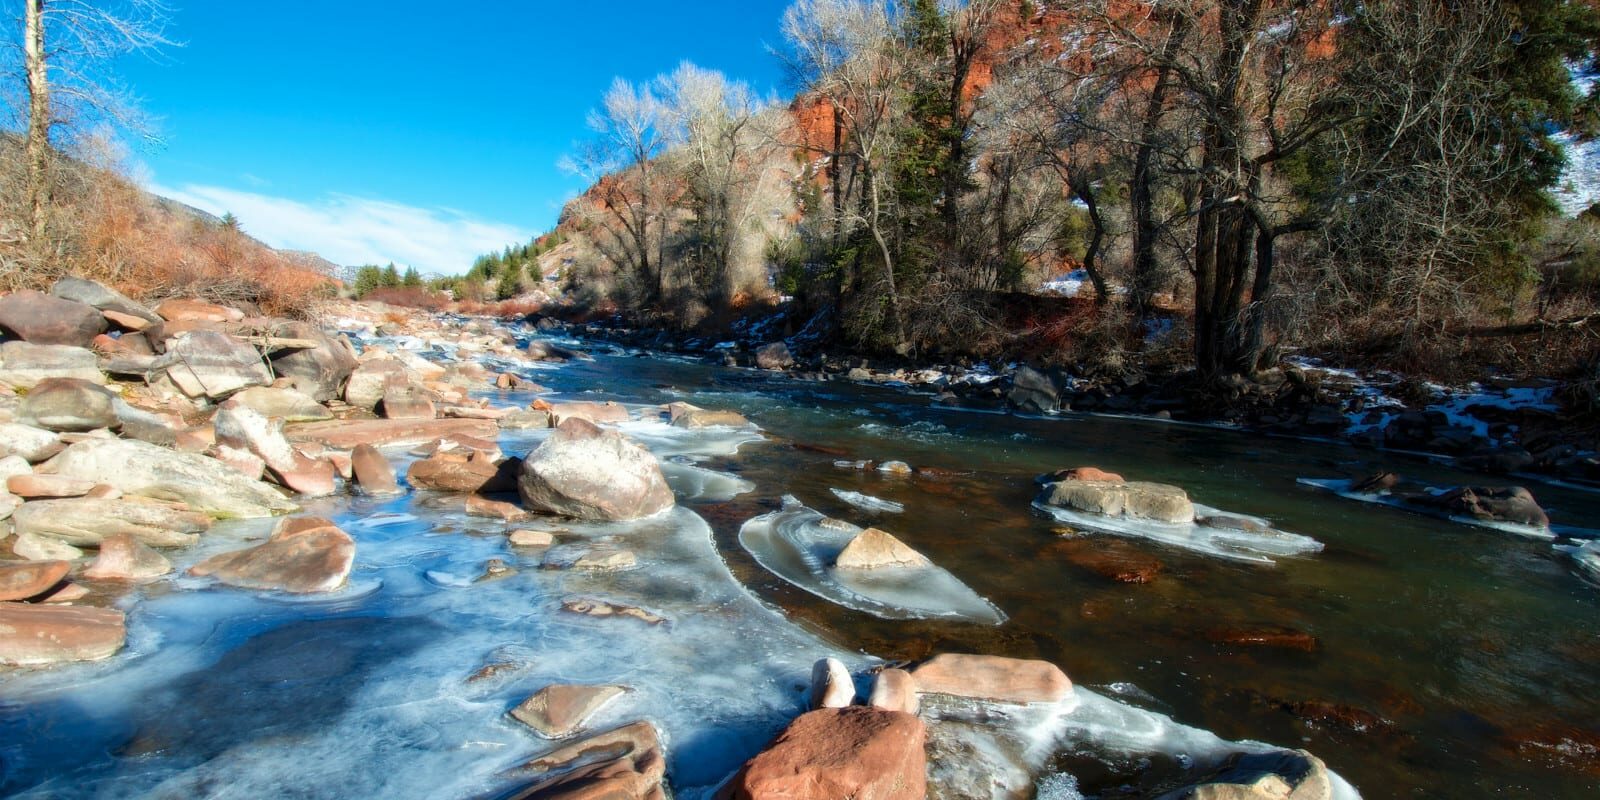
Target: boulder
x=1083 y=474
x=346 y=434
x=1003 y=680
x=560 y=710
x=597 y=413
x=31 y=579
x=288 y=405
x=102 y=298
x=372 y=471
x=584 y=472
x=774 y=356
x=894 y=690
x=1153 y=501
x=834 y=753
x=24 y=365
x=876 y=549
x=35 y=486
x=27 y=442
x=186 y=310
x=371 y=379
x=624 y=763
x=240 y=427
x=88 y=521
x=9 y=503
x=448 y=472
x=124 y=558
x=12 y=466
x=38 y=318
x=320 y=371
x=304 y=555
x=214 y=365
x=34 y=635
x=68 y=404
x=138 y=468
x=683 y=415
x=403 y=401
x=34 y=547
x=1512 y=504
x=1033 y=391
x=1282 y=775
x=524 y=537
x=831 y=684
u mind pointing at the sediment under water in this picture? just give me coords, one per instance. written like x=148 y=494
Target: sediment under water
x=1414 y=655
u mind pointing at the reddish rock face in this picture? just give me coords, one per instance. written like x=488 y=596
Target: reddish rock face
x=179 y=310
x=345 y=434
x=38 y=318
x=1005 y=680
x=22 y=581
x=834 y=753
x=44 y=486
x=37 y=635
x=447 y=473
x=593 y=412
x=478 y=506
x=624 y=763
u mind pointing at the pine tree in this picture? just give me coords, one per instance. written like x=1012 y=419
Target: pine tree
x=412 y=278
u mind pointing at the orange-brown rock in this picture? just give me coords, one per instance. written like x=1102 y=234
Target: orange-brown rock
x=559 y=710
x=372 y=471
x=346 y=434
x=624 y=763
x=304 y=555
x=1277 y=637
x=31 y=579
x=35 y=485
x=1005 y=680
x=832 y=753
x=1111 y=559
x=446 y=472
x=124 y=558
x=478 y=506
x=37 y=635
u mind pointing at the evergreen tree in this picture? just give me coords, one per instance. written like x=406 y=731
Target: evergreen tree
x=391 y=276
x=368 y=278
x=412 y=278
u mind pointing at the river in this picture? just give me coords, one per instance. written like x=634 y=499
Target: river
x=1416 y=656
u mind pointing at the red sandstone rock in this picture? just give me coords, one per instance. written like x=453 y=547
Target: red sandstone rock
x=833 y=753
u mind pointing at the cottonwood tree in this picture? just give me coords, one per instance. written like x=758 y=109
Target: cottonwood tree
x=716 y=133
x=66 y=49
x=845 y=52
x=620 y=164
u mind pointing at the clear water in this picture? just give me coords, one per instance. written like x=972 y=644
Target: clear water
x=1456 y=645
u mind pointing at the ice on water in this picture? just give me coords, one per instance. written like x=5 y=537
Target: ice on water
x=867 y=502
x=1342 y=487
x=800 y=545
x=1259 y=546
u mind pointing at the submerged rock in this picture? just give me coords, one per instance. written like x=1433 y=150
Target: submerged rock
x=1003 y=680
x=601 y=608
x=1284 y=775
x=138 y=468
x=834 y=753
x=304 y=555
x=559 y=710
x=33 y=635
x=1512 y=504
x=624 y=763
x=584 y=472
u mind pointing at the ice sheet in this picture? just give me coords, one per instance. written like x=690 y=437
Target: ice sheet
x=1251 y=546
x=797 y=545
x=867 y=502
x=1341 y=487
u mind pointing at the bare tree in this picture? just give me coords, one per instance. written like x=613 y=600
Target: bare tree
x=67 y=46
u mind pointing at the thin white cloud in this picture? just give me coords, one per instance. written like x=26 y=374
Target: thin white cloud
x=356 y=230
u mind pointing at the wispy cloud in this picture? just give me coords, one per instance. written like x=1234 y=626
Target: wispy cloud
x=356 y=230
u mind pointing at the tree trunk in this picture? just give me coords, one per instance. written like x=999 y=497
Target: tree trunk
x=1090 y=253
x=38 y=145
x=1141 y=199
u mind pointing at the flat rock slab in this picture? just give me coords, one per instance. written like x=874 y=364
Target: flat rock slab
x=36 y=317
x=32 y=444
x=601 y=608
x=24 y=365
x=214 y=365
x=305 y=555
x=285 y=404
x=88 y=521
x=36 y=486
x=33 y=635
x=68 y=404
x=559 y=710
x=1003 y=680
x=138 y=468
x=31 y=579
x=594 y=412
x=346 y=434
x=833 y=753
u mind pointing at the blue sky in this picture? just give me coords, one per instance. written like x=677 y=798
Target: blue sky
x=422 y=133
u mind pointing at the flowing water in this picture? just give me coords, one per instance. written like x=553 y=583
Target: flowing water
x=1416 y=656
